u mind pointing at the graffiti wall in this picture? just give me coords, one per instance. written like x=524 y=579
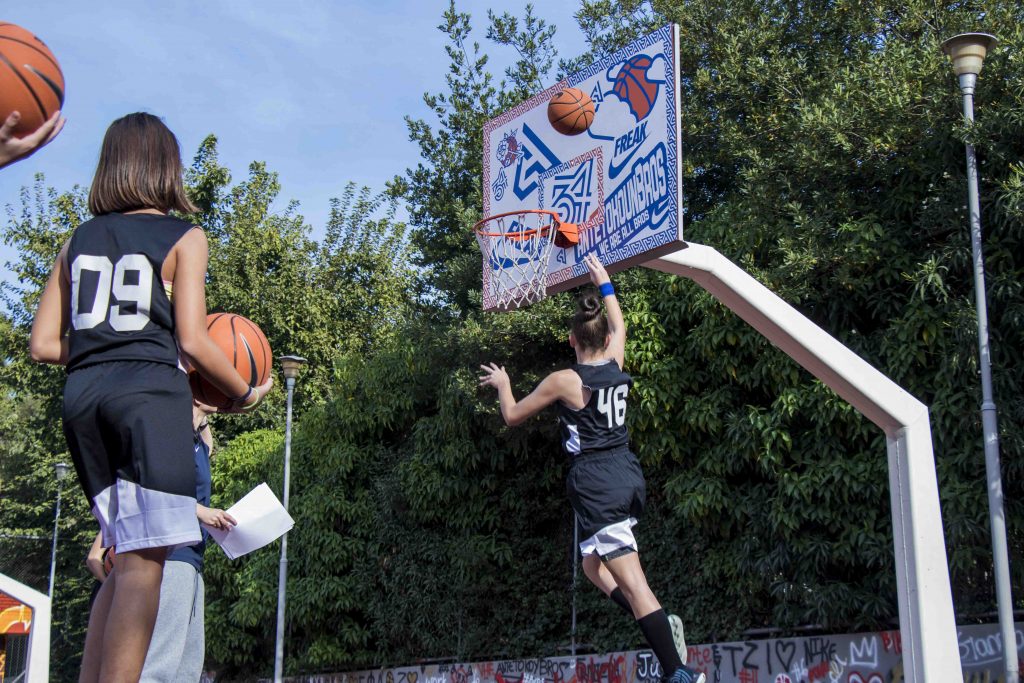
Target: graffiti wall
x=856 y=658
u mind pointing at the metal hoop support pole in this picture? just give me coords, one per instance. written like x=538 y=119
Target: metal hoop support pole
x=927 y=623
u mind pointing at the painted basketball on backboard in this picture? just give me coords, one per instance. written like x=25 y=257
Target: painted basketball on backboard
x=618 y=179
x=634 y=87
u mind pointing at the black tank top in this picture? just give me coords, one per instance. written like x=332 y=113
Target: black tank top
x=601 y=424
x=119 y=309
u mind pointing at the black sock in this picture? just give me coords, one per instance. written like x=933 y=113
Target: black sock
x=619 y=598
x=658 y=633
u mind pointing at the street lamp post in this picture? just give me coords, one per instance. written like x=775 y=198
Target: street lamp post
x=290 y=365
x=968 y=51
x=60 y=470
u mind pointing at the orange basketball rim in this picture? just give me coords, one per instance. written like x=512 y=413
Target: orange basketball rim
x=567 y=234
x=516 y=248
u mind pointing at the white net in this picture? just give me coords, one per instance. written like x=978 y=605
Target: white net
x=516 y=248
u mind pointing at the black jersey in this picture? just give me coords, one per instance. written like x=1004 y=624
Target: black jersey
x=601 y=424
x=119 y=309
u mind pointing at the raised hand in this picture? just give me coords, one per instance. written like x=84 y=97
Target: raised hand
x=598 y=275
x=494 y=376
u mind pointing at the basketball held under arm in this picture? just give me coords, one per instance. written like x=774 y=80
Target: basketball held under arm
x=48 y=342
x=191 y=256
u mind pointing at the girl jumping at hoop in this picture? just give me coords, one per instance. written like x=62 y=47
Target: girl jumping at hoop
x=605 y=484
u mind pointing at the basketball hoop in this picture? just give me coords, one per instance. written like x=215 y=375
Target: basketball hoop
x=516 y=248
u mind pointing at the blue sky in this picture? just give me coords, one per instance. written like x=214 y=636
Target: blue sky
x=317 y=89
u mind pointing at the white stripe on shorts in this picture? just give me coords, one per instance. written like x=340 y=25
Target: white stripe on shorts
x=611 y=538
x=133 y=517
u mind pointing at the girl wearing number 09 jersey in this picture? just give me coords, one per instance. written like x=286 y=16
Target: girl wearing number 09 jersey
x=605 y=484
x=127 y=411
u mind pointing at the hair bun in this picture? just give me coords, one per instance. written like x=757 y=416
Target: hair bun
x=589 y=324
x=588 y=305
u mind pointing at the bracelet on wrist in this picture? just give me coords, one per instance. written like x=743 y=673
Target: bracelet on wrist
x=241 y=400
x=606 y=289
x=243 y=397
x=249 y=406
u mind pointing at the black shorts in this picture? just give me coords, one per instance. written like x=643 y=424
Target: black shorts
x=128 y=426
x=607 y=492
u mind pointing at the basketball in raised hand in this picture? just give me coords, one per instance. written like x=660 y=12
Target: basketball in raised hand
x=31 y=82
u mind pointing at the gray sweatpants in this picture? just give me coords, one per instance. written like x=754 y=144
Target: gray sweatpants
x=178 y=647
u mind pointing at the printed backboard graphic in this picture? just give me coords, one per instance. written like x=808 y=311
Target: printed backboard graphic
x=619 y=180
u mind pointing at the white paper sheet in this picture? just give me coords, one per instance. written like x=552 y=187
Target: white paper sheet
x=261 y=519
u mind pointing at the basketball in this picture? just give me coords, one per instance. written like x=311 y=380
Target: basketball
x=246 y=347
x=571 y=111
x=31 y=81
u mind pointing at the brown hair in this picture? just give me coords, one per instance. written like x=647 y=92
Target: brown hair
x=589 y=324
x=140 y=168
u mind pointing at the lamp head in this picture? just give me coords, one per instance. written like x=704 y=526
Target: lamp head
x=968 y=51
x=291 y=365
x=61 y=469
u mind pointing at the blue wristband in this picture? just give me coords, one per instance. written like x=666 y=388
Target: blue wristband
x=606 y=289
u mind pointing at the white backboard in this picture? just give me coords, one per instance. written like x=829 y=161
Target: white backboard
x=619 y=180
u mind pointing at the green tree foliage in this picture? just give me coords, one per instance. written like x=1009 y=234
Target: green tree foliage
x=312 y=299
x=419 y=515
x=443 y=191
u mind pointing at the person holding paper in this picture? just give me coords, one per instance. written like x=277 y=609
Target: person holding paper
x=178 y=647
x=260 y=519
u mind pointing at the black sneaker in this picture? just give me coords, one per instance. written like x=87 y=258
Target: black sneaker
x=685 y=674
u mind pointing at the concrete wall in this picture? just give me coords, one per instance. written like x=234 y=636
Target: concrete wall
x=852 y=658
